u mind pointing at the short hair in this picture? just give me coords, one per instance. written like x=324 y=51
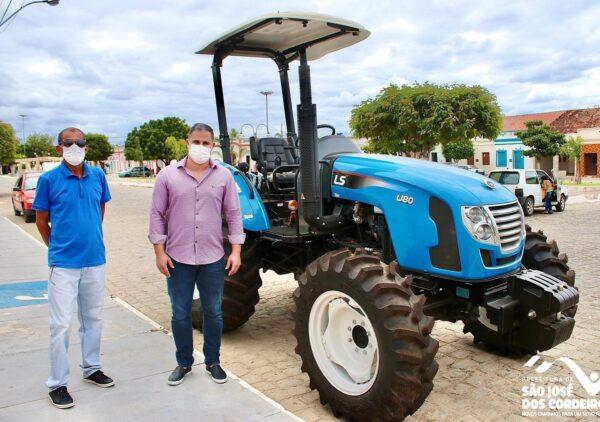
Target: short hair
x=201 y=127
x=69 y=129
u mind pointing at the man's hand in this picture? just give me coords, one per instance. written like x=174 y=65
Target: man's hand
x=163 y=261
x=234 y=260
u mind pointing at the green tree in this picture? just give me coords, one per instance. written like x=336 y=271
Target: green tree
x=99 y=149
x=572 y=150
x=458 y=150
x=233 y=134
x=178 y=147
x=8 y=144
x=415 y=118
x=133 y=150
x=39 y=145
x=151 y=137
x=541 y=139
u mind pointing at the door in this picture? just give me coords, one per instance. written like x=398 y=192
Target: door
x=532 y=187
x=485 y=158
x=590 y=164
x=518 y=160
x=501 y=158
x=434 y=157
x=16 y=195
x=471 y=161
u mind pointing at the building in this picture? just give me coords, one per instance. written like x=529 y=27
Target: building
x=506 y=151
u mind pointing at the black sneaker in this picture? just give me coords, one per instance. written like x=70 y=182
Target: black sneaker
x=216 y=373
x=61 y=398
x=178 y=373
x=100 y=379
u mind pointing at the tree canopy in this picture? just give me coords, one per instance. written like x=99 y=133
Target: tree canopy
x=99 y=149
x=151 y=137
x=133 y=150
x=458 y=150
x=415 y=118
x=39 y=145
x=178 y=147
x=8 y=144
x=541 y=139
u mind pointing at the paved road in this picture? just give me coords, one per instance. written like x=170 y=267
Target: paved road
x=472 y=384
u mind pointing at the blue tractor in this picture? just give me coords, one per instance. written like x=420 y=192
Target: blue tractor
x=381 y=245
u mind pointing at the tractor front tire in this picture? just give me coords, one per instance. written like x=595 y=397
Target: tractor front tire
x=240 y=293
x=363 y=338
x=541 y=255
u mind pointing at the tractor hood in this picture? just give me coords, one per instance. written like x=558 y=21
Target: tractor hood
x=441 y=180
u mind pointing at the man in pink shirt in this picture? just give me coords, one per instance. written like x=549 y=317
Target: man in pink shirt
x=188 y=201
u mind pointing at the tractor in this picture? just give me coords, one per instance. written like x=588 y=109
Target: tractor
x=381 y=245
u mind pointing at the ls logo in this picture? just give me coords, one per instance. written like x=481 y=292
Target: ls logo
x=339 y=179
x=591 y=384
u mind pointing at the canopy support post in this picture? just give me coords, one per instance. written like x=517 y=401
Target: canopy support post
x=223 y=133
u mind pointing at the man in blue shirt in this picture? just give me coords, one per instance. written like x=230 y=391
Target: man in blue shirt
x=69 y=203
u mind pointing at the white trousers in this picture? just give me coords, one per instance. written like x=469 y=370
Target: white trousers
x=66 y=287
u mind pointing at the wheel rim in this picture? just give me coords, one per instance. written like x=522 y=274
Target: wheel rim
x=562 y=202
x=529 y=206
x=343 y=343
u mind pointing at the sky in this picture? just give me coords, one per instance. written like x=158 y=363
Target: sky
x=108 y=66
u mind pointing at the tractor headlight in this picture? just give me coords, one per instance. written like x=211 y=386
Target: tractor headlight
x=480 y=224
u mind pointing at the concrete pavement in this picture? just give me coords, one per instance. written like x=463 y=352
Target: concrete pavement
x=137 y=353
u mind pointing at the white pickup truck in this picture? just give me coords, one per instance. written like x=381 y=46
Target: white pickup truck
x=527 y=186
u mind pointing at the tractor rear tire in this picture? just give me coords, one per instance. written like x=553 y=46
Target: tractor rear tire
x=399 y=378
x=539 y=255
x=240 y=293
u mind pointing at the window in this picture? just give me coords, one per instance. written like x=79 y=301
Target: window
x=542 y=174
x=31 y=182
x=531 y=178
x=485 y=158
x=505 y=177
x=434 y=156
x=19 y=182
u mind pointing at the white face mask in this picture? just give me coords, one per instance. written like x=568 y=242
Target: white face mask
x=74 y=154
x=199 y=153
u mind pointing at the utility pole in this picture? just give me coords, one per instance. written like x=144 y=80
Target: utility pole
x=266 y=94
x=23 y=120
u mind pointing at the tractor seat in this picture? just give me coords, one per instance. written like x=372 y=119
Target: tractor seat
x=274 y=152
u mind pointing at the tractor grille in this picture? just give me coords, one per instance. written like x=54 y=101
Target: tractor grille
x=509 y=222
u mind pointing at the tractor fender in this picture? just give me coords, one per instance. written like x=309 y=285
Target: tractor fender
x=254 y=214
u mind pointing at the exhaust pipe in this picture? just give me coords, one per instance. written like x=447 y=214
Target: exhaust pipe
x=311 y=195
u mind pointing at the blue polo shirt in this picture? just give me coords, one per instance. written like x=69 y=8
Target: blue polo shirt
x=73 y=205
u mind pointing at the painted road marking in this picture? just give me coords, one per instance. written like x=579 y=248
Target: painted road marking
x=23 y=294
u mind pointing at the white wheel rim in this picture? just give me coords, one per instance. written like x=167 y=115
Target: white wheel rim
x=529 y=207
x=343 y=343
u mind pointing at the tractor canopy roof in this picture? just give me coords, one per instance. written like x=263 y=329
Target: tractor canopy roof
x=282 y=35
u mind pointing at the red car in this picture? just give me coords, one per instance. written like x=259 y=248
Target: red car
x=23 y=195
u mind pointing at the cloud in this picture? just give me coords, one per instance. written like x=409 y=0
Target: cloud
x=109 y=65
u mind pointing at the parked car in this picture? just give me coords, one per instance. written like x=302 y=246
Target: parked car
x=527 y=186
x=23 y=195
x=138 y=171
x=470 y=168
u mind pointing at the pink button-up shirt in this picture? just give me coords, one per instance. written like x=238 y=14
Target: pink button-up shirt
x=186 y=214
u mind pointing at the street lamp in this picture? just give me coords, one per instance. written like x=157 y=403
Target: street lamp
x=23 y=120
x=252 y=127
x=266 y=94
x=12 y=15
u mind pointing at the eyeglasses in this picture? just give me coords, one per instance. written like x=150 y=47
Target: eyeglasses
x=80 y=142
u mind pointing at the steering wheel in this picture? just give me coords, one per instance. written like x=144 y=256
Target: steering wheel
x=327 y=127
